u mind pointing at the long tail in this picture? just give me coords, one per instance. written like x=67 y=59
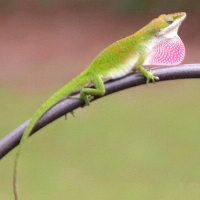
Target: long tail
x=65 y=91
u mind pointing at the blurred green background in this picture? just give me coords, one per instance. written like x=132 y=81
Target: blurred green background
x=142 y=143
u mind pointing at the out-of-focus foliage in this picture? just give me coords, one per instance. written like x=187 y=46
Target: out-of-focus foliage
x=124 y=6
x=154 y=5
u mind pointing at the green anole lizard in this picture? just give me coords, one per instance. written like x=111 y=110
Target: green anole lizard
x=155 y=44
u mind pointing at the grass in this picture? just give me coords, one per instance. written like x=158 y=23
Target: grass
x=142 y=143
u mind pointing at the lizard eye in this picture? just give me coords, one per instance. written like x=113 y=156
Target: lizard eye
x=169 y=21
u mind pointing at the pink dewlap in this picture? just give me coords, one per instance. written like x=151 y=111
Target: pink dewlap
x=168 y=53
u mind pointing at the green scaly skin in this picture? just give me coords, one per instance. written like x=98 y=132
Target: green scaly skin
x=115 y=61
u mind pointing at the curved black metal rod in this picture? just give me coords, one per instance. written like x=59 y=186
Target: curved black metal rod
x=68 y=105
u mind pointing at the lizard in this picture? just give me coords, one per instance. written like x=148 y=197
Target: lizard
x=157 y=43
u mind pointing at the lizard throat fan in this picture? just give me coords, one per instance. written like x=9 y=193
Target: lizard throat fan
x=171 y=52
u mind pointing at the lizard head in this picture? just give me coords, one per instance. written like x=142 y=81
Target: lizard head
x=168 y=25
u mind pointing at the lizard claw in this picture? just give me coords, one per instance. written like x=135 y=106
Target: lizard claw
x=150 y=77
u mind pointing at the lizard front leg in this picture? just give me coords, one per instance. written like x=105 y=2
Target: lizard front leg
x=149 y=75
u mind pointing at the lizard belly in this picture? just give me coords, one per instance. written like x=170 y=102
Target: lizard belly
x=123 y=69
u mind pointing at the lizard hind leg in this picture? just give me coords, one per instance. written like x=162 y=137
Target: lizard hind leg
x=99 y=89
